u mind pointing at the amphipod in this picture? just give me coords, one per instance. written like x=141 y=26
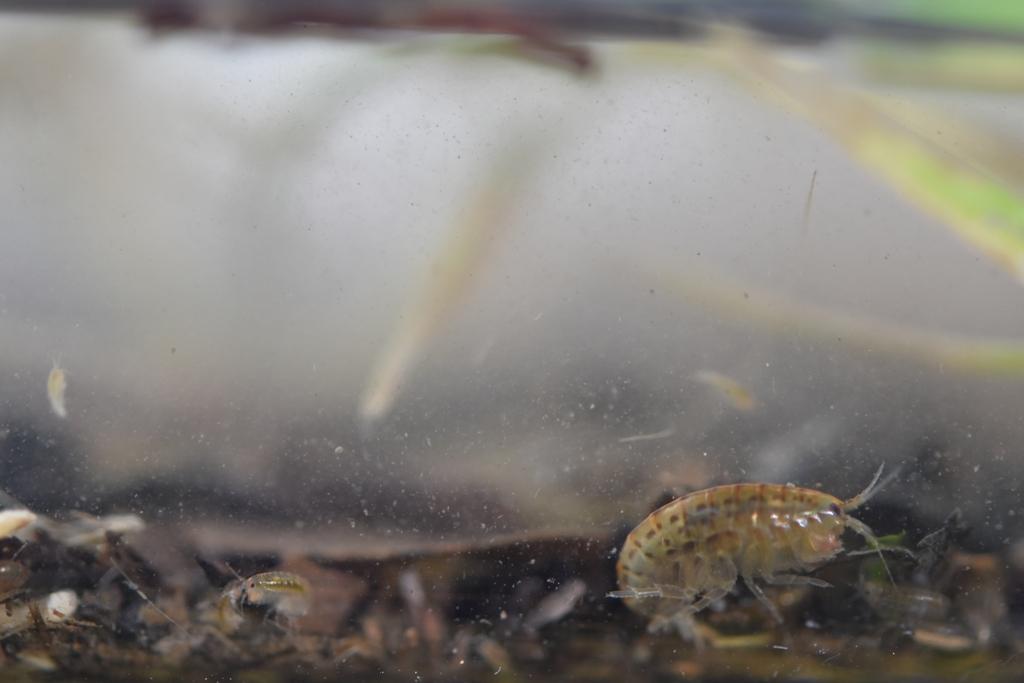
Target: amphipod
x=275 y=594
x=689 y=553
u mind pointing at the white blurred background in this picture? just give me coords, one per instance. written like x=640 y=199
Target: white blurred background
x=217 y=237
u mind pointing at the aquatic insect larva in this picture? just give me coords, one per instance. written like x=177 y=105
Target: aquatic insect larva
x=688 y=553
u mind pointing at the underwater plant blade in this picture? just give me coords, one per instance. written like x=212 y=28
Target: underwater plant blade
x=782 y=315
x=455 y=271
x=967 y=66
x=978 y=196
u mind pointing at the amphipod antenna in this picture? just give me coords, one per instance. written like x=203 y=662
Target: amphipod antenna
x=860 y=527
x=872 y=489
x=865 y=531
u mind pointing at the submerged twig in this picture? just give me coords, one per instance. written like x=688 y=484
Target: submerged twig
x=806 y=222
x=134 y=587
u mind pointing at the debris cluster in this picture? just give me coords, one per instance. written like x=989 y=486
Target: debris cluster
x=108 y=598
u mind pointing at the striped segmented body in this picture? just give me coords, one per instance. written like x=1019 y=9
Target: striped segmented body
x=277 y=594
x=690 y=552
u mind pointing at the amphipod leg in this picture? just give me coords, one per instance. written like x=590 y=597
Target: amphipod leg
x=676 y=593
x=894 y=549
x=682 y=622
x=759 y=594
x=635 y=594
x=709 y=598
x=868 y=535
x=795 y=580
x=686 y=625
x=666 y=592
x=689 y=629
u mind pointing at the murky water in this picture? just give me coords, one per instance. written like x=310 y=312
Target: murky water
x=434 y=326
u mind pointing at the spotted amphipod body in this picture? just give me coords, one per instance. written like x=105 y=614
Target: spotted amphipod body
x=690 y=552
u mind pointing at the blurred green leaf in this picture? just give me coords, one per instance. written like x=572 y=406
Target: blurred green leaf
x=1000 y=15
x=1004 y=357
x=973 y=184
x=967 y=66
x=896 y=540
x=981 y=210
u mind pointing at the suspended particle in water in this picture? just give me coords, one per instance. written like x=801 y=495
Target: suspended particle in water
x=56 y=385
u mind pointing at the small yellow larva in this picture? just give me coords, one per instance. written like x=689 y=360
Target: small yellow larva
x=689 y=553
